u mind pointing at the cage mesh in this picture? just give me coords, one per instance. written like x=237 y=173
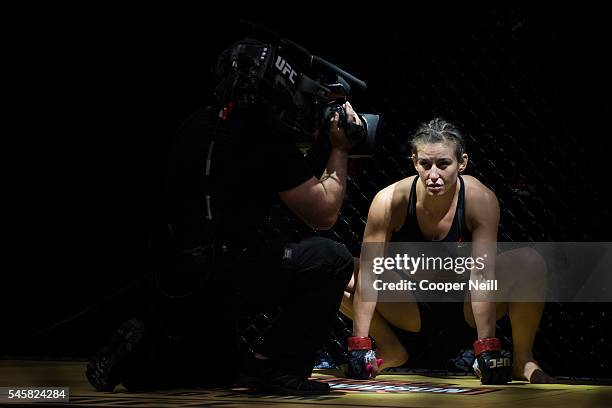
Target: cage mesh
x=501 y=77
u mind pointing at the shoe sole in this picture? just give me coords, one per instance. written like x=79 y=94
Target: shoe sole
x=245 y=380
x=100 y=369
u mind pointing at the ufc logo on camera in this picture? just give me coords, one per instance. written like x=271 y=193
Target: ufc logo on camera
x=284 y=67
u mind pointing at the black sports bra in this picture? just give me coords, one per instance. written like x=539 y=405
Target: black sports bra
x=411 y=232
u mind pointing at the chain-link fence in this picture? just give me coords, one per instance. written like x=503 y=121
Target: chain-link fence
x=527 y=86
x=510 y=79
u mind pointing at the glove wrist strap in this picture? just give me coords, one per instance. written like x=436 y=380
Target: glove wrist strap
x=488 y=344
x=359 y=343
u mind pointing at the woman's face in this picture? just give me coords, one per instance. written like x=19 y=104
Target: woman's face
x=437 y=166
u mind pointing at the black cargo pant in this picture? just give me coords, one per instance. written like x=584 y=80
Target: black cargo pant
x=308 y=287
x=192 y=337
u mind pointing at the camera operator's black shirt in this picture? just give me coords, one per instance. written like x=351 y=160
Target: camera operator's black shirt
x=250 y=165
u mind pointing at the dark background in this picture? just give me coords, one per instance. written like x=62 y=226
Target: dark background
x=97 y=96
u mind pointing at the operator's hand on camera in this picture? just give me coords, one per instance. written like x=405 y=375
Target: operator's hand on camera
x=337 y=132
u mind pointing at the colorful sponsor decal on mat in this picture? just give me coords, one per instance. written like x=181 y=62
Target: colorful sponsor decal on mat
x=347 y=385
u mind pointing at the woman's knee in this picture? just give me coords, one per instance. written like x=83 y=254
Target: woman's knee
x=405 y=316
x=412 y=325
x=523 y=259
x=394 y=355
x=521 y=274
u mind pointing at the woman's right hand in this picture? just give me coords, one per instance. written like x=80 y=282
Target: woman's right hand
x=362 y=361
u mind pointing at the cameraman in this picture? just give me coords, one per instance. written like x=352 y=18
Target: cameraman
x=229 y=164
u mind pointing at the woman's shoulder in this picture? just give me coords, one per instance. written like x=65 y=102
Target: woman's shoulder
x=392 y=201
x=475 y=189
x=478 y=197
x=397 y=192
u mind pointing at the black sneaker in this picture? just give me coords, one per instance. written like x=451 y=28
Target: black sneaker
x=104 y=368
x=264 y=377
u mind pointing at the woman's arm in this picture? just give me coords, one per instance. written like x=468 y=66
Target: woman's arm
x=484 y=218
x=376 y=235
x=363 y=363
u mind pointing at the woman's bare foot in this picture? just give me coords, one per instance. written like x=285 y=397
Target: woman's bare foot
x=527 y=369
